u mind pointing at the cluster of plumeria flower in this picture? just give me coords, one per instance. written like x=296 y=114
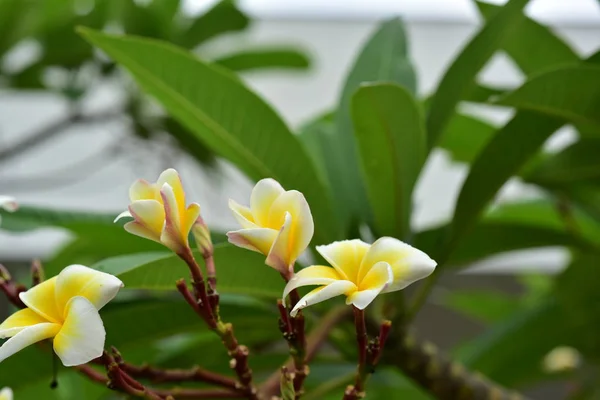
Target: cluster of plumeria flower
x=278 y=224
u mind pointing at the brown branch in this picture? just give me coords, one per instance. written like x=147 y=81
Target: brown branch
x=181 y=393
x=357 y=391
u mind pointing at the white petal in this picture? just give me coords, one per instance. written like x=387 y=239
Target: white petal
x=257 y=239
x=408 y=263
x=279 y=256
x=124 y=214
x=318 y=295
x=143 y=190
x=8 y=203
x=27 y=337
x=78 y=280
x=6 y=394
x=242 y=214
x=376 y=280
x=81 y=338
x=345 y=256
x=313 y=275
x=264 y=193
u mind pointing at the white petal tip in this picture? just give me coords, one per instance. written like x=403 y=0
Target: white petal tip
x=124 y=214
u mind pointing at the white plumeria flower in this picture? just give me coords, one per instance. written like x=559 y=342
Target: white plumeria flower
x=361 y=271
x=278 y=224
x=6 y=394
x=9 y=204
x=159 y=211
x=65 y=308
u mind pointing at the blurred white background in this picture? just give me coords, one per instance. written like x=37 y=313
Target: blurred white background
x=332 y=33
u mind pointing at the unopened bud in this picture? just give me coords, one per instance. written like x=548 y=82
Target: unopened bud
x=286 y=385
x=561 y=359
x=202 y=237
x=4 y=274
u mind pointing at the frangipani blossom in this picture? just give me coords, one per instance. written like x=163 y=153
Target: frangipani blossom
x=6 y=394
x=9 y=204
x=278 y=224
x=159 y=211
x=361 y=271
x=65 y=308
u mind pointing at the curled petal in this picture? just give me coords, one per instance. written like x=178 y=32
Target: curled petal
x=19 y=321
x=264 y=193
x=279 y=256
x=172 y=236
x=171 y=178
x=301 y=225
x=150 y=215
x=143 y=190
x=408 y=263
x=8 y=203
x=41 y=299
x=26 y=337
x=81 y=337
x=124 y=214
x=257 y=239
x=323 y=293
x=191 y=214
x=345 y=256
x=313 y=275
x=6 y=394
x=78 y=280
x=376 y=280
x=242 y=214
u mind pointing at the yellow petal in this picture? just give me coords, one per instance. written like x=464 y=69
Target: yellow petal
x=26 y=337
x=150 y=215
x=408 y=263
x=313 y=275
x=301 y=225
x=143 y=190
x=135 y=228
x=171 y=178
x=172 y=235
x=19 y=321
x=191 y=215
x=258 y=239
x=6 y=394
x=264 y=193
x=242 y=214
x=78 y=280
x=42 y=300
x=376 y=280
x=81 y=338
x=323 y=293
x=345 y=256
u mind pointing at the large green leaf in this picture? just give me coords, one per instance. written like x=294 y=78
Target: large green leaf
x=224 y=114
x=29 y=218
x=482 y=305
x=384 y=58
x=504 y=156
x=465 y=136
x=532 y=46
x=315 y=136
x=265 y=58
x=391 y=138
x=531 y=333
x=579 y=162
x=571 y=93
x=238 y=271
x=460 y=77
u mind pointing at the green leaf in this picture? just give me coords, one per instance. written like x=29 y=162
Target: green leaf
x=484 y=306
x=460 y=77
x=225 y=115
x=465 y=137
x=579 y=162
x=384 y=58
x=504 y=155
x=571 y=93
x=391 y=138
x=315 y=136
x=531 y=333
x=28 y=218
x=265 y=58
x=238 y=271
x=532 y=46
x=224 y=17
x=12 y=26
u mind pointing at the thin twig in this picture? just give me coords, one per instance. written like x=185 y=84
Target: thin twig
x=357 y=391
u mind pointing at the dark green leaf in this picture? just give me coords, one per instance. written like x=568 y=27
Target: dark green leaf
x=225 y=115
x=460 y=77
x=465 y=136
x=571 y=93
x=238 y=271
x=483 y=94
x=503 y=156
x=315 y=136
x=532 y=46
x=391 y=139
x=384 y=58
x=12 y=24
x=485 y=306
x=188 y=142
x=222 y=18
x=265 y=58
